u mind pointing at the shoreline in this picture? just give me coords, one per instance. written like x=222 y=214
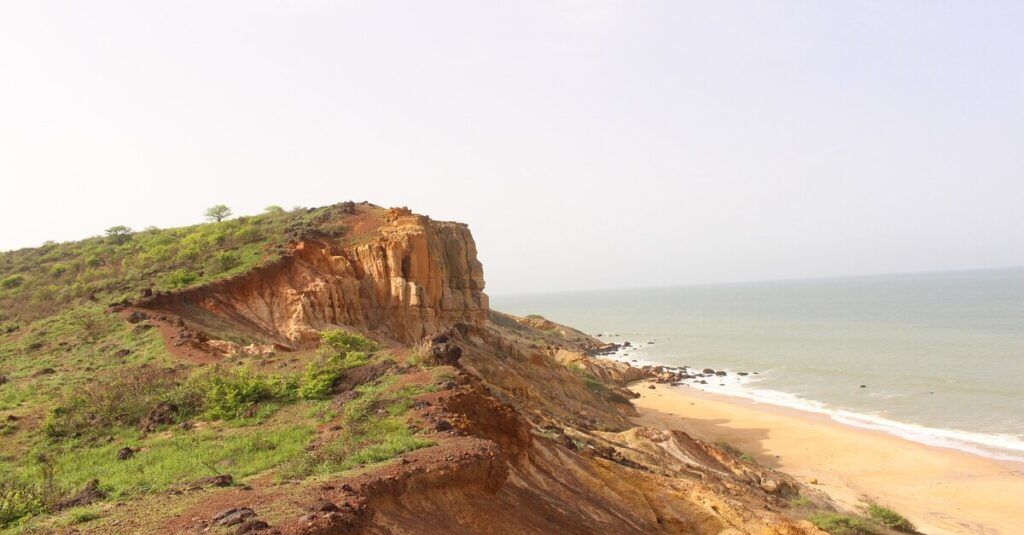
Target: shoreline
x=942 y=490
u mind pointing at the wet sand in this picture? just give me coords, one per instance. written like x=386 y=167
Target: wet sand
x=941 y=490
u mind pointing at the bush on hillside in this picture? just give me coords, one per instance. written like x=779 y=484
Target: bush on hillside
x=12 y=281
x=888 y=517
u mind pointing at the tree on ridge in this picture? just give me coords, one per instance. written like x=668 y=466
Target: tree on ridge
x=217 y=213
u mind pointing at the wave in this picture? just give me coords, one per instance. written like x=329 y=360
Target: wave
x=1004 y=447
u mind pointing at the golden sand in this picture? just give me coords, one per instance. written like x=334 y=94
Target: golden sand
x=940 y=490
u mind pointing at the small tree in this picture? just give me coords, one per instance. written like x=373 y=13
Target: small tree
x=119 y=234
x=217 y=213
x=274 y=209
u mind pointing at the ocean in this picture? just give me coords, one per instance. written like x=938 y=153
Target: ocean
x=940 y=355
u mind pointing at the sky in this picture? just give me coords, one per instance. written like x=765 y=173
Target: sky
x=597 y=144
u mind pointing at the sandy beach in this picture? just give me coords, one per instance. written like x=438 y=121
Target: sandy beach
x=941 y=490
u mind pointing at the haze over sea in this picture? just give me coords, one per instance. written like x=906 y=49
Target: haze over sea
x=941 y=355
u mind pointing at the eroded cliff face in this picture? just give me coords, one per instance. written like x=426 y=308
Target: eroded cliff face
x=394 y=274
x=530 y=433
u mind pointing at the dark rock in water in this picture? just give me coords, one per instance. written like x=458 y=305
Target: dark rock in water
x=863 y=386
x=709 y=370
x=703 y=382
x=720 y=373
x=626 y=344
x=650 y=343
x=232 y=517
x=125 y=453
x=89 y=494
x=137 y=316
x=742 y=373
x=651 y=387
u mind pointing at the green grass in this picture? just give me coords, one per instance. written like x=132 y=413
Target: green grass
x=888 y=517
x=184 y=457
x=81 y=515
x=376 y=430
x=81 y=346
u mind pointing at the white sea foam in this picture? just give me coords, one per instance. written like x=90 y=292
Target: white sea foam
x=996 y=446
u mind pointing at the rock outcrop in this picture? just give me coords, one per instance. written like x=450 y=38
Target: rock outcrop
x=395 y=274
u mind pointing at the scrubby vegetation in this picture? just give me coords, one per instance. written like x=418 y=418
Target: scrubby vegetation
x=735 y=452
x=878 y=521
x=595 y=385
x=375 y=430
x=181 y=423
x=40 y=281
x=842 y=524
x=888 y=517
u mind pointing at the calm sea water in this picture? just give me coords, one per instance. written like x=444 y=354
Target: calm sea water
x=941 y=355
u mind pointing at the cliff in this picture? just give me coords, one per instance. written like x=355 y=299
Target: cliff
x=433 y=414
x=396 y=275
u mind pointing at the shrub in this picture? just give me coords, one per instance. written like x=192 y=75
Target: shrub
x=339 y=342
x=83 y=515
x=840 y=524
x=224 y=395
x=225 y=261
x=122 y=398
x=888 y=517
x=58 y=269
x=339 y=351
x=247 y=234
x=12 y=281
x=18 y=499
x=179 y=278
x=22 y=497
x=319 y=379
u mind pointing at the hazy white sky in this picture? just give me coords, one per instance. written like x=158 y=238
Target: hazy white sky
x=587 y=144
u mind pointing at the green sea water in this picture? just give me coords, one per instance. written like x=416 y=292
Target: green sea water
x=940 y=355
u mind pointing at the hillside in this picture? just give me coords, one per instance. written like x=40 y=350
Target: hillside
x=331 y=370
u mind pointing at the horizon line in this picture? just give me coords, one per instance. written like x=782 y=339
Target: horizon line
x=762 y=281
